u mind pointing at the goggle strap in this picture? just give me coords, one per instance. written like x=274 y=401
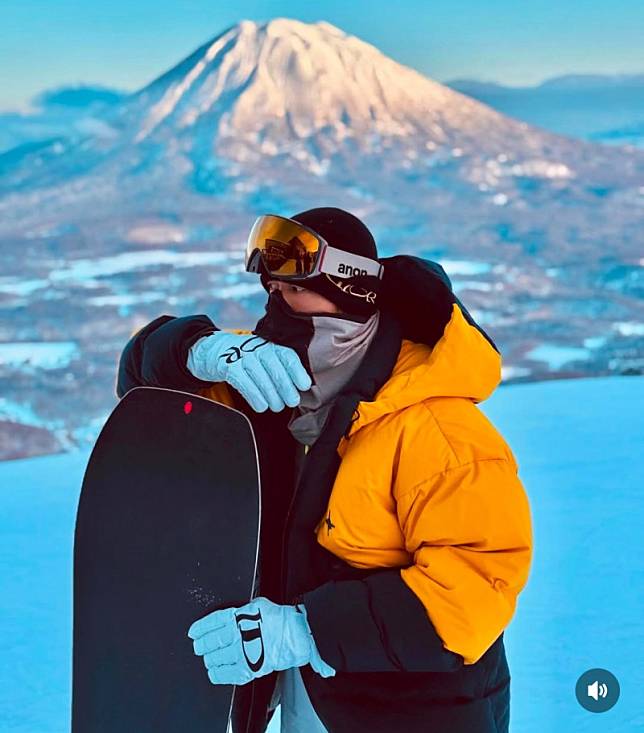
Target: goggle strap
x=343 y=264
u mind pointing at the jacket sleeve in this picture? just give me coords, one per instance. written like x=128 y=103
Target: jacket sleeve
x=375 y=624
x=469 y=531
x=156 y=355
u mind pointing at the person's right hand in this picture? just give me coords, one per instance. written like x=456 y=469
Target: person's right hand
x=264 y=373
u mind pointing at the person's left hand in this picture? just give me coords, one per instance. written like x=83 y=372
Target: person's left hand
x=239 y=644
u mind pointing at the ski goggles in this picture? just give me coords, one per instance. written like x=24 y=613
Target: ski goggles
x=292 y=251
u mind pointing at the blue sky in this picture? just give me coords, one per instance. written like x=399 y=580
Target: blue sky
x=126 y=44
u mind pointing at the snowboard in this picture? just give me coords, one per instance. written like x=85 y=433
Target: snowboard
x=167 y=530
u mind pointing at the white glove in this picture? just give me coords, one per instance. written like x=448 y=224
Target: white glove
x=264 y=373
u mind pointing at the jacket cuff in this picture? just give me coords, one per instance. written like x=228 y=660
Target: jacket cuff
x=165 y=356
x=375 y=624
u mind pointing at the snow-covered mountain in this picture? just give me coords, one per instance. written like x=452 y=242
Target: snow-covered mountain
x=600 y=108
x=58 y=114
x=318 y=101
x=541 y=234
x=262 y=87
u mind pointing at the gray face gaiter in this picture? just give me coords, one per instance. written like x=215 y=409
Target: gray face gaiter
x=334 y=352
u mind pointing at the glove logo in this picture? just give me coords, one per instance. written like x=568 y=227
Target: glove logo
x=249 y=634
x=235 y=353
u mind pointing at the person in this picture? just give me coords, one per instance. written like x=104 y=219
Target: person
x=396 y=534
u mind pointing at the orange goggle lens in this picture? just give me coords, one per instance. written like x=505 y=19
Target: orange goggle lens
x=287 y=249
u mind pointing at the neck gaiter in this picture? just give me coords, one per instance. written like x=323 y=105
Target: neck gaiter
x=330 y=348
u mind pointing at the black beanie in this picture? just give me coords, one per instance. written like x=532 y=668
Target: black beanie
x=356 y=295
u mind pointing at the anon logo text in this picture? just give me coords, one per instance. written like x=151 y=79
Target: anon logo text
x=348 y=270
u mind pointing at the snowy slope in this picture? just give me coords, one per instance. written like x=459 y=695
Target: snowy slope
x=578 y=447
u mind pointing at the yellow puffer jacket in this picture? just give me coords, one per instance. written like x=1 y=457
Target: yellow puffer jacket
x=427 y=484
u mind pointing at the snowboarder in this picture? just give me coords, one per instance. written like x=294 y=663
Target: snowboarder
x=396 y=534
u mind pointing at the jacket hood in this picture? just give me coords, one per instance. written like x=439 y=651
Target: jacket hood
x=444 y=352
